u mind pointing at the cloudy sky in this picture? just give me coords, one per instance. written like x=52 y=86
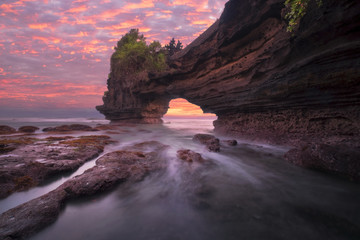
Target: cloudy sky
x=54 y=54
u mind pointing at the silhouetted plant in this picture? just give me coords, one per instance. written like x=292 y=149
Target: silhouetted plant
x=172 y=47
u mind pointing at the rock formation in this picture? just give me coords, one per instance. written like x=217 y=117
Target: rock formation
x=262 y=82
x=32 y=161
x=110 y=170
x=212 y=143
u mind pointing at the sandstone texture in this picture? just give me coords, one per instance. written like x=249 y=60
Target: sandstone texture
x=27 y=162
x=263 y=83
x=110 y=170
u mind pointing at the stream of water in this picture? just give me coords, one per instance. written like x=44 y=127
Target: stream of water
x=243 y=192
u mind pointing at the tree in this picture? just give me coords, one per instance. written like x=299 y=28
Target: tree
x=179 y=46
x=133 y=55
x=172 y=48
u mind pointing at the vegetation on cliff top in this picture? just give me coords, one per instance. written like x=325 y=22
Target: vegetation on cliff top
x=133 y=55
x=296 y=10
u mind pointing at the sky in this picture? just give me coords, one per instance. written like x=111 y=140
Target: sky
x=55 y=54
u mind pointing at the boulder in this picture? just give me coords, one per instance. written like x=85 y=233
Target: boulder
x=28 y=129
x=212 y=143
x=7 y=129
x=189 y=155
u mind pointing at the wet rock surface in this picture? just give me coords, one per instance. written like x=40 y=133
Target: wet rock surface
x=26 y=162
x=211 y=142
x=110 y=170
x=188 y=155
x=340 y=157
x=69 y=128
x=28 y=129
x=7 y=129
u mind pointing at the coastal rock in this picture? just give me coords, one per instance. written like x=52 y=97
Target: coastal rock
x=189 y=156
x=340 y=159
x=262 y=82
x=68 y=128
x=32 y=161
x=28 y=129
x=7 y=129
x=212 y=143
x=110 y=170
x=30 y=217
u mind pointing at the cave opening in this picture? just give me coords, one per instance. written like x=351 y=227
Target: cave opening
x=181 y=108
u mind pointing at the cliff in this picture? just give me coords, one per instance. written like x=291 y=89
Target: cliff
x=264 y=83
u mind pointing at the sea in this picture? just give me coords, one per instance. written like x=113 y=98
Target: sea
x=247 y=191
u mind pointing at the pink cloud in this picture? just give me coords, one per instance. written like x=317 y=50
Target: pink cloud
x=75 y=41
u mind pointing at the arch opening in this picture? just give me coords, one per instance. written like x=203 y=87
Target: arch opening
x=181 y=108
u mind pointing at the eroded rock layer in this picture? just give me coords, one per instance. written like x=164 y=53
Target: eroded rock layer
x=262 y=82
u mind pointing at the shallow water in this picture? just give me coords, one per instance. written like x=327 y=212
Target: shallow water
x=243 y=192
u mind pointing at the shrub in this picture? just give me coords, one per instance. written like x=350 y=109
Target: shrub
x=296 y=10
x=133 y=55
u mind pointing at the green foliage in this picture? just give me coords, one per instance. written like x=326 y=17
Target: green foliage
x=296 y=10
x=132 y=54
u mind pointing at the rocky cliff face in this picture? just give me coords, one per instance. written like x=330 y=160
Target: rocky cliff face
x=262 y=82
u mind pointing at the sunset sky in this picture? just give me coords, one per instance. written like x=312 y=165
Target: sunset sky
x=54 y=54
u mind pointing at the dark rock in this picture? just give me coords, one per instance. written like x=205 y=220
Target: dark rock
x=189 y=156
x=230 y=142
x=212 y=143
x=68 y=128
x=28 y=129
x=30 y=217
x=33 y=160
x=6 y=129
x=106 y=127
x=339 y=159
x=110 y=170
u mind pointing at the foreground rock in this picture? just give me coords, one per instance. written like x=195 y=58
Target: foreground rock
x=31 y=161
x=212 y=143
x=69 y=128
x=6 y=129
x=110 y=170
x=342 y=159
x=28 y=129
x=189 y=155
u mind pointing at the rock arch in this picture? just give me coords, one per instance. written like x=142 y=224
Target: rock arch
x=259 y=80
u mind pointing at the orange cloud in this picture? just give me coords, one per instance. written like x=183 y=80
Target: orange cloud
x=142 y=4
x=8 y=8
x=47 y=40
x=82 y=8
x=40 y=26
x=181 y=107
